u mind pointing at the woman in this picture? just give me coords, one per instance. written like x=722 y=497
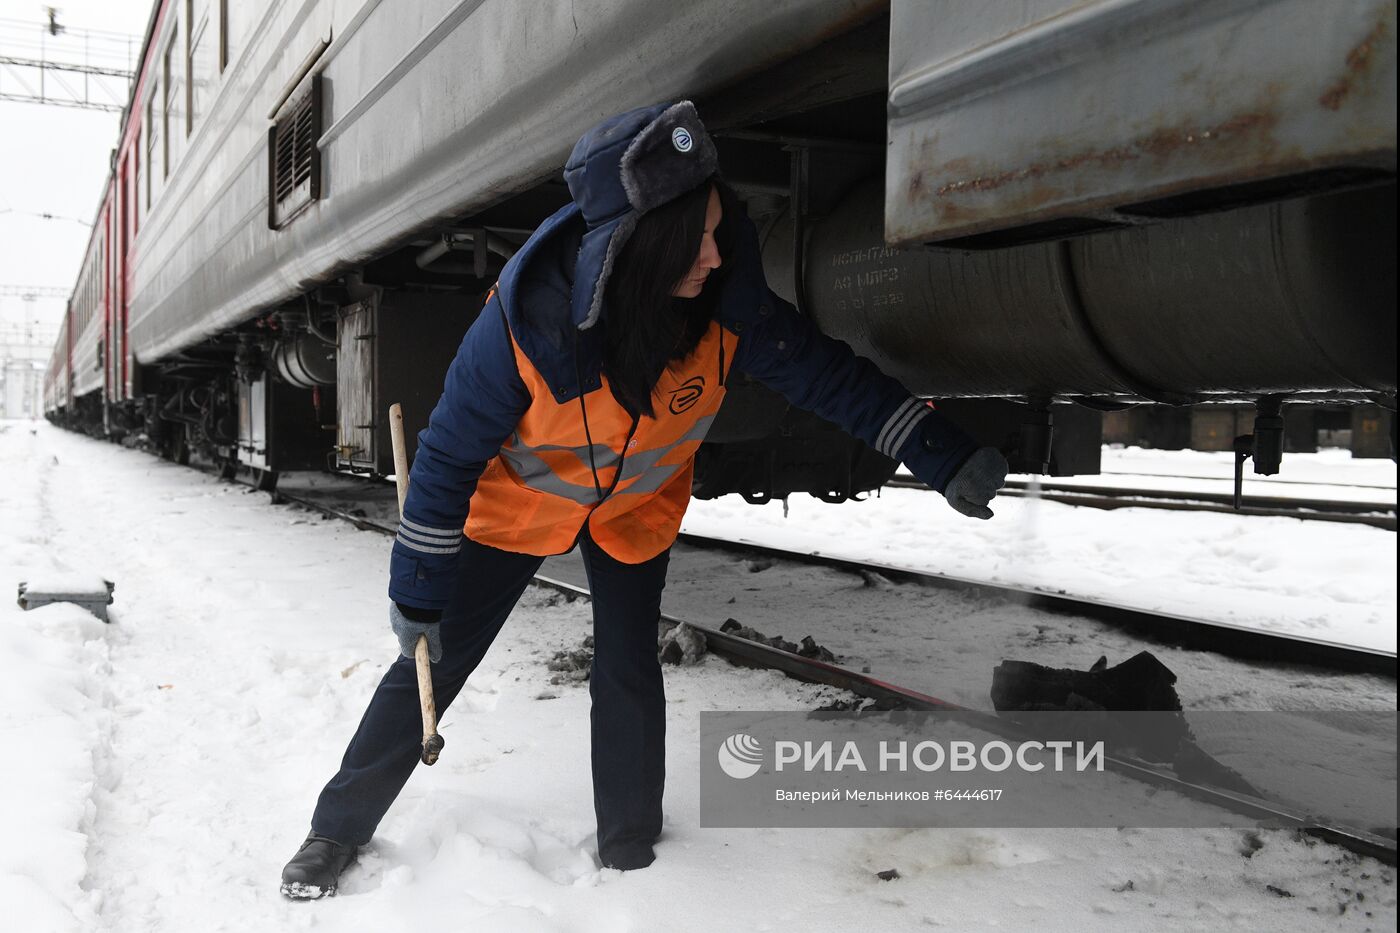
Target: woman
x=571 y=415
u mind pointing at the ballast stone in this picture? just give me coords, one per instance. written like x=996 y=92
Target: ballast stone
x=682 y=644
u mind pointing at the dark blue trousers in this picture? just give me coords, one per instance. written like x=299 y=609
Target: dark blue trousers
x=628 y=716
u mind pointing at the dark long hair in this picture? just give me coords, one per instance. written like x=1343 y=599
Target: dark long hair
x=646 y=328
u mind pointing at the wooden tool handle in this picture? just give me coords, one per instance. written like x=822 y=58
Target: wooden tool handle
x=400 y=452
x=432 y=742
x=425 y=686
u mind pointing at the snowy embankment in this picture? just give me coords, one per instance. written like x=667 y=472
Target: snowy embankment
x=160 y=770
x=1322 y=580
x=52 y=745
x=53 y=717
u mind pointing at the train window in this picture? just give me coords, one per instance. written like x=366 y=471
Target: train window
x=294 y=163
x=237 y=17
x=153 y=148
x=173 y=116
x=203 y=64
x=133 y=195
x=99 y=279
x=138 y=182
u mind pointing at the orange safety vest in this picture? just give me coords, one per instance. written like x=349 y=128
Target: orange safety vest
x=536 y=495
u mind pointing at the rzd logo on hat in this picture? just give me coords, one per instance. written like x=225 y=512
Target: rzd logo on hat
x=680 y=138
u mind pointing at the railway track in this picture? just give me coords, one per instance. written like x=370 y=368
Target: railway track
x=1271 y=481
x=1163 y=627
x=756 y=654
x=1152 y=626
x=1379 y=515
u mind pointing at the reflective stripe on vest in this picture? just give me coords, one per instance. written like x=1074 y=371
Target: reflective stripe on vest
x=642 y=472
x=537 y=474
x=644 y=465
x=537 y=494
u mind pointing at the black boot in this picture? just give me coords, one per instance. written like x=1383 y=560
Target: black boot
x=628 y=856
x=315 y=870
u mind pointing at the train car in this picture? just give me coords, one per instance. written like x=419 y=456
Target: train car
x=57 y=389
x=76 y=382
x=1034 y=212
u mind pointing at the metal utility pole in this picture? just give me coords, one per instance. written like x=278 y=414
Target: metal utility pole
x=52 y=64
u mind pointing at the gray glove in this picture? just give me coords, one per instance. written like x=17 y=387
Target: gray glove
x=977 y=482
x=409 y=630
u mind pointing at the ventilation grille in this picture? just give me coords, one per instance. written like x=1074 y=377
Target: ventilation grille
x=294 y=176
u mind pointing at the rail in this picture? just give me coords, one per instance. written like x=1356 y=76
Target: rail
x=1376 y=514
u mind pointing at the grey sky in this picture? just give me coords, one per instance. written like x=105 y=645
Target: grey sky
x=53 y=159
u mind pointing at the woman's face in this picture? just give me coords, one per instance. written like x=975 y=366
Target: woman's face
x=707 y=260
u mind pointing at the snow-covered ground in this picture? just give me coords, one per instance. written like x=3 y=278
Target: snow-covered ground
x=157 y=772
x=1335 y=582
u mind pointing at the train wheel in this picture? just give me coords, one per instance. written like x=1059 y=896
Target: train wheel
x=265 y=480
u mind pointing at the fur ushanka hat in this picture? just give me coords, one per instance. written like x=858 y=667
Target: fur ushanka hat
x=622 y=168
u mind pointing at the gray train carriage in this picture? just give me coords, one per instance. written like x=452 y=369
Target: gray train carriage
x=57 y=389
x=86 y=363
x=1035 y=211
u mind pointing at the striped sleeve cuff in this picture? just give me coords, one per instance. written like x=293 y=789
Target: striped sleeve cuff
x=900 y=425
x=429 y=540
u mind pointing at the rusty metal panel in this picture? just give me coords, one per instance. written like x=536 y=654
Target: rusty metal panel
x=355 y=387
x=1084 y=114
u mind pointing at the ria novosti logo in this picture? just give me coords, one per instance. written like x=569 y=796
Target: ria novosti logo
x=741 y=755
